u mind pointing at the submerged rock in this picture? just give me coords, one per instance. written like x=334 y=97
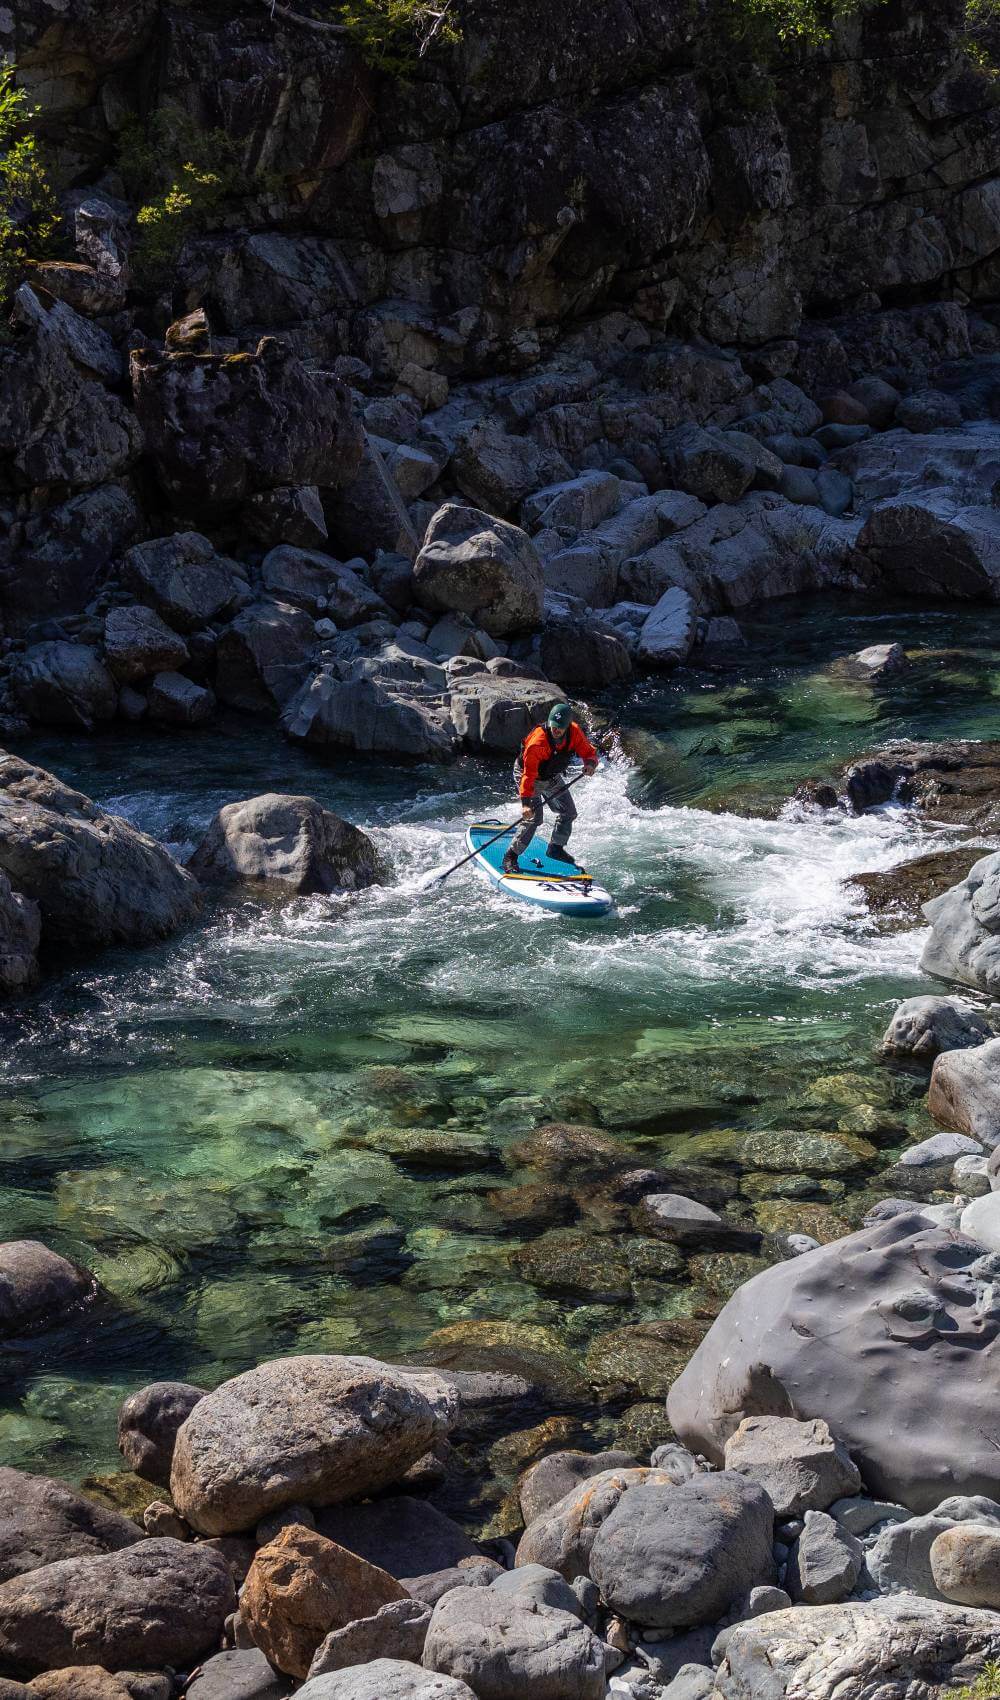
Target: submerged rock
x=289 y=842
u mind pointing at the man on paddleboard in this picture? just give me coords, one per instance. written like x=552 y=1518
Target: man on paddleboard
x=541 y=771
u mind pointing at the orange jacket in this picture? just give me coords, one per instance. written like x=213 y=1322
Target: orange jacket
x=538 y=748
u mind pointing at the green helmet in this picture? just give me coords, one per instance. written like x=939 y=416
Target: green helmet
x=561 y=718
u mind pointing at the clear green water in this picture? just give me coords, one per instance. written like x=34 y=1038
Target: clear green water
x=219 y=1126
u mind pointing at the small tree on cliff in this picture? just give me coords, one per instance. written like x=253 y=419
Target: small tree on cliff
x=28 y=212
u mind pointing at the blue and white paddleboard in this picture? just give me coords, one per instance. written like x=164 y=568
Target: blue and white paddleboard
x=561 y=887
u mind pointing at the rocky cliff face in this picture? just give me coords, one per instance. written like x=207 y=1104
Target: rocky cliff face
x=638 y=152
x=607 y=269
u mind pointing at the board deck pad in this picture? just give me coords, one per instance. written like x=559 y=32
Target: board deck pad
x=563 y=887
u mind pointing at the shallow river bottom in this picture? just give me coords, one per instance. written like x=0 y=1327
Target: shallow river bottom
x=292 y=1129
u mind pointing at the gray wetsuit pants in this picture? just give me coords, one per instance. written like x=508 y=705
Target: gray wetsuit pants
x=563 y=807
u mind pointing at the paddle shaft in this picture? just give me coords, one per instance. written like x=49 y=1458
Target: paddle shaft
x=503 y=833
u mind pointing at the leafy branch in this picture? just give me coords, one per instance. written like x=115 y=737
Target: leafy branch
x=29 y=215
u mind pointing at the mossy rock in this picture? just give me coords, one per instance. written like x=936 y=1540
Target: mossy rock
x=595 y=1267
x=125 y=1492
x=430 y=1148
x=643 y=1360
x=571 y=1151
x=537 y=1204
x=791 y=1186
x=642 y=1428
x=722 y=1272
x=514 y=1453
x=530 y=1350
x=873 y=1122
x=849 y=1089
x=784 y=1149
x=800 y=1216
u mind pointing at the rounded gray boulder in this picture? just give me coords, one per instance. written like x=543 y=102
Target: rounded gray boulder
x=675 y=1557
x=923 y=1027
x=474 y=564
x=38 y=1287
x=313 y=1429
x=162 y=1602
x=148 y=1423
x=890 y=1335
x=385 y=1679
x=292 y=843
x=43 y=1521
x=507 y=1646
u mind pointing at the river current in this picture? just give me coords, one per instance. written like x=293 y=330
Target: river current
x=287 y=1129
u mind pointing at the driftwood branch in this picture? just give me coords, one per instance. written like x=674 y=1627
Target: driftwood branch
x=319 y=24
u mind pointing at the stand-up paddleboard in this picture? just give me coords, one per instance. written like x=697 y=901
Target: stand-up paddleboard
x=561 y=887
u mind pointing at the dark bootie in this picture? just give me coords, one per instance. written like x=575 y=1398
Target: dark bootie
x=559 y=853
x=510 y=863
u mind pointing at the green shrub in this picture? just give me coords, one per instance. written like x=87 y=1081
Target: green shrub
x=29 y=216
x=985 y=1687
x=183 y=179
x=393 y=35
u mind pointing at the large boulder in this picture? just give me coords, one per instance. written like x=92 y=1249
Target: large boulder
x=493 y=712
x=38 y=1288
x=308 y=579
x=289 y=842
x=507 y=1647
x=341 y=1427
x=52 y=561
x=923 y=1027
x=674 y=1557
x=300 y=1587
x=578 y=649
x=930 y=545
x=262 y=658
x=175 y=700
x=391 y=703
x=965 y=1092
x=562 y=1536
x=43 y=1521
x=890 y=1334
x=800 y=1465
x=668 y=633
x=148 y=1422
x=20 y=936
x=184 y=580
x=965 y=929
x=222 y=428
x=137 y=642
x=903 y=1648
x=473 y=564
x=59 y=426
x=494 y=469
x=158 y=1603
x=965 y=1565
x=96 y=879
x=64 y=684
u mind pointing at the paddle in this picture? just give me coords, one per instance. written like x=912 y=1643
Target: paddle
x=431 y=880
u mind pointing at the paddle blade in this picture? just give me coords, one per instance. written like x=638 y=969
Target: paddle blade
x=434 y=880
